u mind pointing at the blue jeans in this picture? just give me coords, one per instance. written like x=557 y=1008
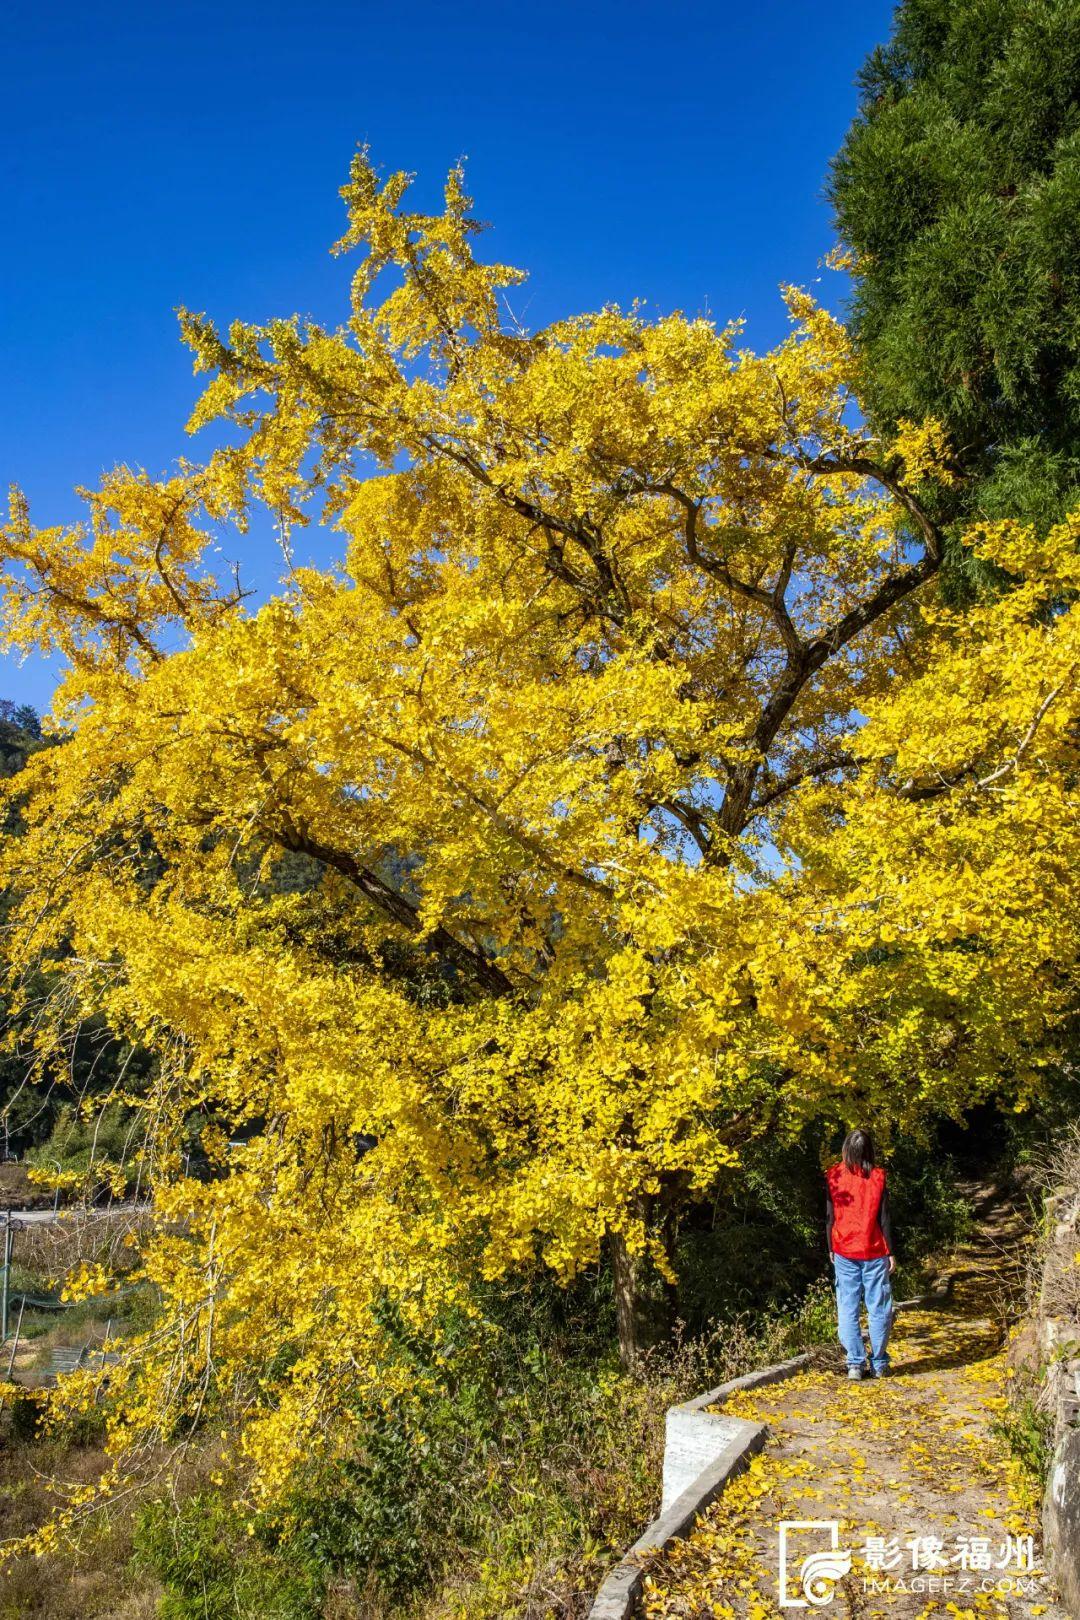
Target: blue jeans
x=856 y=1281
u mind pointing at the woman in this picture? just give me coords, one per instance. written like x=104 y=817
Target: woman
x=859 y=1231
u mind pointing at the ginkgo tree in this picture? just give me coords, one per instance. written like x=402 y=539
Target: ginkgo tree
x=564 y=837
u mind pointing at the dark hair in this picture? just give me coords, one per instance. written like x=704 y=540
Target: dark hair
x=858 y=1150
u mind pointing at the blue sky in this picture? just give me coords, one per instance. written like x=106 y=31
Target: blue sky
x=163 y=155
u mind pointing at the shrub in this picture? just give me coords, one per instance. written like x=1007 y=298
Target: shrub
x=531 y=1466
x=210 y=1571
x=1027 y=1430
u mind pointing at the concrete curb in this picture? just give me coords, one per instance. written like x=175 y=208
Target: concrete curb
x=617 y=1598
x=695 y=1437
x=702 y=1451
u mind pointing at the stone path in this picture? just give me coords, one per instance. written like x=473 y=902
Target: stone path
x=911 y=1470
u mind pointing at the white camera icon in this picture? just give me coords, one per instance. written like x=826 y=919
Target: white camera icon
x=814 y=1577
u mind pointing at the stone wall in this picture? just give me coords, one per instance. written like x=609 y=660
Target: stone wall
x=1053 y=1342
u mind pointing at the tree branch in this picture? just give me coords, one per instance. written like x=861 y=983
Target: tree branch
x=822 y=767
x=687 y=816
x=826 y=465
x=917 y=793
x=480 y=967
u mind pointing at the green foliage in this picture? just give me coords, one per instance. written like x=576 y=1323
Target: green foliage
x=813 y=1320
x=79 y=1143
x=22 y=717
x=25 y=1417
x=210 y=1571
x=762 y=1243
x=958 y=187
x=17 y=741
x=372 y=1514
x=1027 y=1431
x=142 y=1308
x=931 y=1211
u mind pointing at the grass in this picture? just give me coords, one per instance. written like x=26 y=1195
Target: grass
x=94 y=1581
x=1027 y=1430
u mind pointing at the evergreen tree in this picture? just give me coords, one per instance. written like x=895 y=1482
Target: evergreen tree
x=20 y=734
x=28 y=718
x=958 y=188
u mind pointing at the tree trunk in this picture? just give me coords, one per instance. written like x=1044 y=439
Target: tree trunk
x=644 y=1301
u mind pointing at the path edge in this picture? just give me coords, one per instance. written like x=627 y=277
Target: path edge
x=618 y=1595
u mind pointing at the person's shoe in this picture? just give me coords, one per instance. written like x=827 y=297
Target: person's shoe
x=881 y=1372
x=855 y=1374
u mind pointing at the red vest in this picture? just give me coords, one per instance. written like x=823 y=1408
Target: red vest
x=856 y=1200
